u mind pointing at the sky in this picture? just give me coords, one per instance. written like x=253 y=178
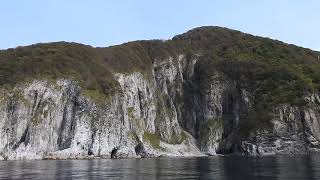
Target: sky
x=102 y=23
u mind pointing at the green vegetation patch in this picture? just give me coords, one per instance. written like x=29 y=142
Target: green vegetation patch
x=178 y=139
x=55 y=61
x=212 y=125
x=153 y=139
x=96 y=96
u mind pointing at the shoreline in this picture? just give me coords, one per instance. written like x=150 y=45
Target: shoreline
x=158 y=157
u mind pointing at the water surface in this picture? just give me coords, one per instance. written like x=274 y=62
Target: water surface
x=226 y=168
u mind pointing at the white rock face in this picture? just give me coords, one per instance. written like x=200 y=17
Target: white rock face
x=167 y=113
x=44 y=119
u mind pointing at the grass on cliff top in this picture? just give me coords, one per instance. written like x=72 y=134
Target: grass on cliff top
x=93 y=67
x=54 y=61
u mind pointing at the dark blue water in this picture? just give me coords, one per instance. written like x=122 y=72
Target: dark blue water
x=228 y=168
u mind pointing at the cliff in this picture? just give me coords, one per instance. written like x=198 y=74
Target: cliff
x=210 y=91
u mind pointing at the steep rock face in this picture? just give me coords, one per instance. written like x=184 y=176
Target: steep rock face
x=44 y=119
x=218 y=111
x=294 y=131
x=212 y=112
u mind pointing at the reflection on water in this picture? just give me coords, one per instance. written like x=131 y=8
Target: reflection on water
x=228 y=168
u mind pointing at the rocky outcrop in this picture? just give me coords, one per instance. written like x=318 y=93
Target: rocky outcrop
x=294 y=131
x=58 y=119
x=167 y=113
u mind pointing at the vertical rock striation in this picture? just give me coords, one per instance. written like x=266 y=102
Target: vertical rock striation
x=193 y=95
